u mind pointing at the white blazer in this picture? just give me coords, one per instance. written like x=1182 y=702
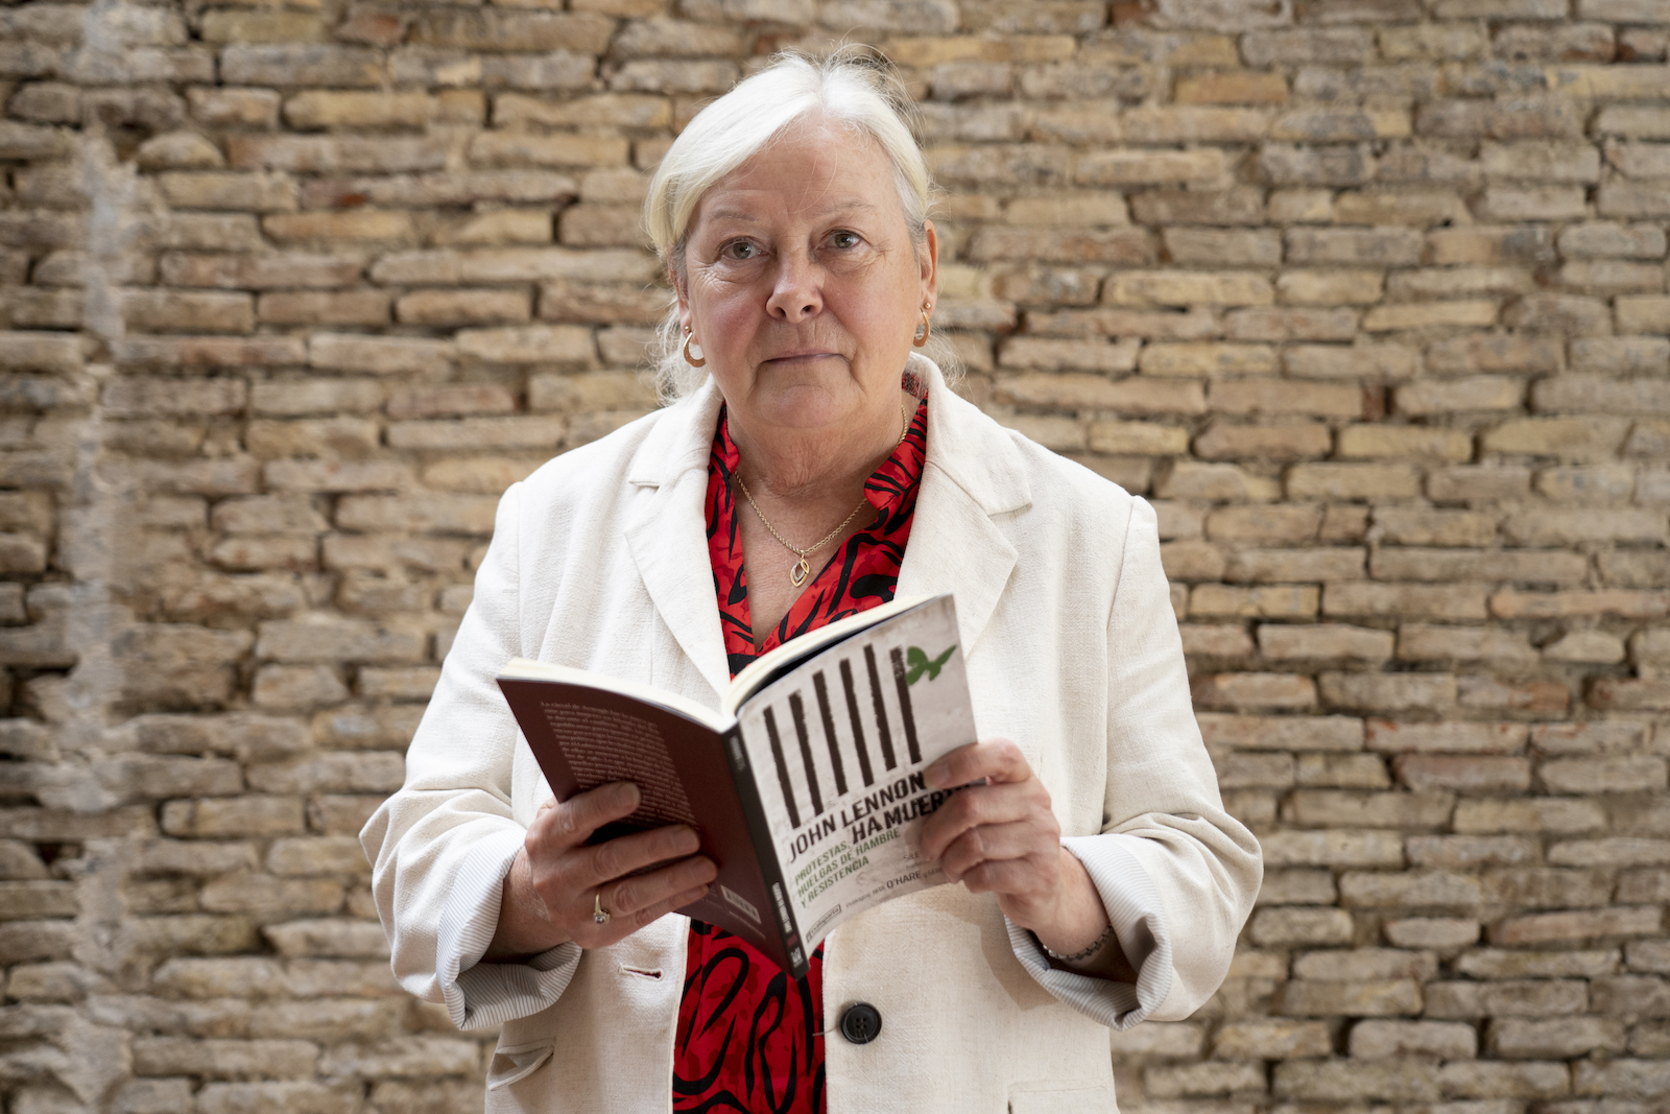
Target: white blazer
x=599 y=561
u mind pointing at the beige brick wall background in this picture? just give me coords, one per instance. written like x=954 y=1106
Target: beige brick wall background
x=1367 y=295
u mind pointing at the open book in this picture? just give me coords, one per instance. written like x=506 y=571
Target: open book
x=806 y=786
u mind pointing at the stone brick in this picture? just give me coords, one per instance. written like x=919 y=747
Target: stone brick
x=1299 y=926
x=1484 y=1079
x=1623 y=1078
x=1271 y=1039
x=534 y=344
x=242 y=816
x=1602 y=775
x=223 y=1059
x=1403 y=1081
x=1373 y=247
x=1477 y=775
x=297 y=686
x=255 y=108
x=1528 y=566
x=301 y=65
x=1234 y=206
x=354 y=225
x=1447 y=933
x=1110 y=246
x=1573 y=927
x=380 y=355
x=1599 y=394
x=1139 y=438
x=325 y=109
x=329 y=938
x=1323 y=642
x=464 y=307
x=1430 y=890
x=1181 y=288
x=1453 y=737
x=1424 y=315
x=1643 y=313
x=1233 y=87
x=1333 y=848
x=320 y=154
x=1334 y=808
x=1277 y=565
x=1472 y=393
x=1342 y=771
x=1297 y=887
x=1254 y=690
x=323 y=639
x=1208 y=1078
x=337 y=307
x=524 y=149
x=1473 y=852
x=1293 y=733
x=265 y=896
x=1287 y=440
x=1510 y=604
x=1329 y=287
x=1620 y=355
x=1352 y=481
x=1026 y=352
x=1443 y=1040
x=260 y=272
x=1389 y=362
x=1303 y=171
x=1404 y=442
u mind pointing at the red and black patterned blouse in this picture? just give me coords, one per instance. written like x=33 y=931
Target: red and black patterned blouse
x=749 y=1037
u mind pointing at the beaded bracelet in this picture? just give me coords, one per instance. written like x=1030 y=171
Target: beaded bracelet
x=1095 y=946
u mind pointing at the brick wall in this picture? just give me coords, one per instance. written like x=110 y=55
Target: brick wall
x=1367 y=295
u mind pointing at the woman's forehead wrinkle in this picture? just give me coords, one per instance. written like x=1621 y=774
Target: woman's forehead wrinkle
x=812 y=182
x=841 y=205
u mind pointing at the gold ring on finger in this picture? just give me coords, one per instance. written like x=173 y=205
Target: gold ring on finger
x=598 y=913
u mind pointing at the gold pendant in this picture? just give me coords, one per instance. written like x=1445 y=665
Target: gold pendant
x=801 y=570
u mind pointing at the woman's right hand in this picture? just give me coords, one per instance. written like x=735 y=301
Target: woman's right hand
x=551 y=892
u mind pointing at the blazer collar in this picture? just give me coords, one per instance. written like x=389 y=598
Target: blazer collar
x=973 y=471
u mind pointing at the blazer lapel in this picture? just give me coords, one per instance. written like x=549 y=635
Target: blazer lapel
x=973 y=471
x=666 y=532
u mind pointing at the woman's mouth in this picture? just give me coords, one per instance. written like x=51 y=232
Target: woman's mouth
x=798 y=357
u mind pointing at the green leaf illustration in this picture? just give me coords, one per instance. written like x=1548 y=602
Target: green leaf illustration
x=920 y=663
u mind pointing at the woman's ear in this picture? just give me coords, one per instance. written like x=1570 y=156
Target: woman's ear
x=683 y=298
x=929 y=258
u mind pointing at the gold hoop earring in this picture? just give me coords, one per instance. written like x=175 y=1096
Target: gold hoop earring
x=920 y=339
x=688 y=358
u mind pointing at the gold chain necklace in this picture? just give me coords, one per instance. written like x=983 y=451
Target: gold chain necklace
x=803 y=568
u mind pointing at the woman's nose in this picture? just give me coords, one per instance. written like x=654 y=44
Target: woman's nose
x=798 y=292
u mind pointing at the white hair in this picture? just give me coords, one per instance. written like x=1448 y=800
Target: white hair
x=853 y=87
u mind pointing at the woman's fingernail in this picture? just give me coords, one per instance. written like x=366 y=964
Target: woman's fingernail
x=934 y=777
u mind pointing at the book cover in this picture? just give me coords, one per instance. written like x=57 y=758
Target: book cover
x=809 y=798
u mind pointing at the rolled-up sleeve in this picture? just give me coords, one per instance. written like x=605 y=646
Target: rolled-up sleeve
x=1176 y=873
x=441 y=847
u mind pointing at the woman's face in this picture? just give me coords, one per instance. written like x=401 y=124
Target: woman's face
x=801 y=283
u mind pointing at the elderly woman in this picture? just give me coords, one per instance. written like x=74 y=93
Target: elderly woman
x=1097 y=880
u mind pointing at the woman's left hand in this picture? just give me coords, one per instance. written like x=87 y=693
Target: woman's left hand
x=1002 y=838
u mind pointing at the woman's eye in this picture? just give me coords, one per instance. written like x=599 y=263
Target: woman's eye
x=844 y=239
x=738 y=249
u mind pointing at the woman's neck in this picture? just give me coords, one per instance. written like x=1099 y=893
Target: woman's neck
x=812 y=466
